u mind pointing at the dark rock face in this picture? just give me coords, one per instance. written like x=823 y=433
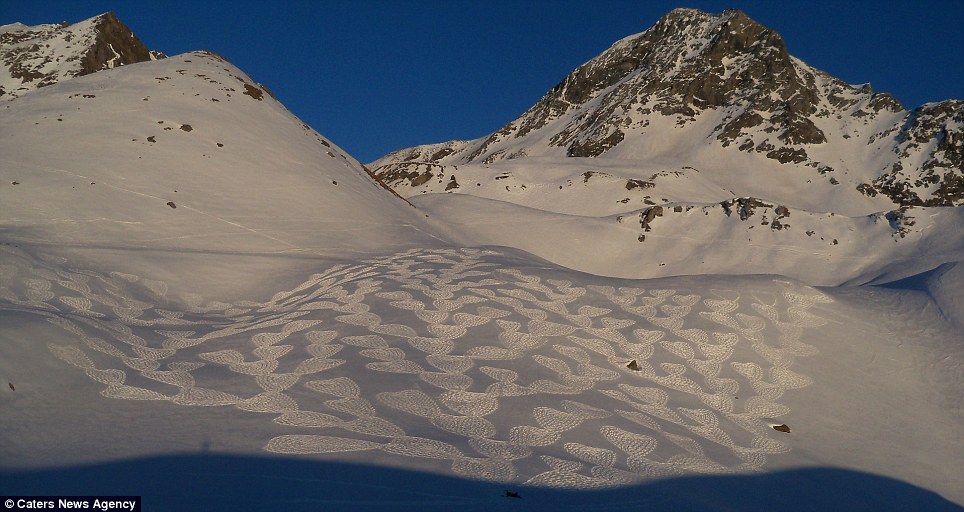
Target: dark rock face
x=744 y=206
x=415 y=174
x=784 y=155
x=452 y=184
x=647 y=216
x=899 y=220
x=633 y=183
x=253 y=91
x=597 y=147
x=115 y=45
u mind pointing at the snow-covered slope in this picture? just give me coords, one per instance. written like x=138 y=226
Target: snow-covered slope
x=740 y=236
x=206 y=303
x=185 y=154
x=572 y=220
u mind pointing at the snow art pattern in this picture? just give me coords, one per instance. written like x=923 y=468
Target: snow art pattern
x=444 y=354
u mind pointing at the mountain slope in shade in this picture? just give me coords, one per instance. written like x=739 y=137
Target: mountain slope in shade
x=35 y=57
x=719 y=97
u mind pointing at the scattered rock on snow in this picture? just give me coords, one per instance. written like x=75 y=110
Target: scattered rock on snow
x=451 y=184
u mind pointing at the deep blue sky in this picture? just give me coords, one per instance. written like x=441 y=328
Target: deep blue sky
x=375 y=76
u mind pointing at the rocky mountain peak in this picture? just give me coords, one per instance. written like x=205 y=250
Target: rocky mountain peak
x=699 y=88
x=114 y=45
x=688 y=62
x=37 y=56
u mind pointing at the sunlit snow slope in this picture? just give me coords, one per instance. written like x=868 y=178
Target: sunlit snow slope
x=184 y=154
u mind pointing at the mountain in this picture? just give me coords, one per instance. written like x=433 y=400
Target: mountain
x=39 y=56
x=697 y=88
x=700 y=113
x=192 y=155
x=207 y=303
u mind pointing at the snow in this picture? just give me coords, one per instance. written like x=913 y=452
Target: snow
x=817 y=248
x=290 y=335
x=14 y=27
x=53 y=50
x=474 y=363
x=236 y=186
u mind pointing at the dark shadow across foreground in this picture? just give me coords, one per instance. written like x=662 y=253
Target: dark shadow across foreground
x=221 y=482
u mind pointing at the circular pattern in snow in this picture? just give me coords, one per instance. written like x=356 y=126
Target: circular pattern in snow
x=444 y=356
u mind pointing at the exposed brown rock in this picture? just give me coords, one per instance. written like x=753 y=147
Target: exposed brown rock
x=253 y=91
x=646 y=216
x=115 y=45
x=422 y=179
x=595 y=147
x=633 y=183
x=452 y=184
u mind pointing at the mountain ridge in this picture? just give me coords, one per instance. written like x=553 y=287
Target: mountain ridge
x=724 y=82
x=35 y=57
x=186 y=147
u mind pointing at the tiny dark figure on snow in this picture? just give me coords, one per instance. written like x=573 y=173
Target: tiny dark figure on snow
x=511 y=494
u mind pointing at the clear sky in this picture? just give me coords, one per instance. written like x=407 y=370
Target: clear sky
x=375 y=76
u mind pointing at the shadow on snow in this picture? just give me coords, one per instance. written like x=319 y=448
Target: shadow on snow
x=225 y=482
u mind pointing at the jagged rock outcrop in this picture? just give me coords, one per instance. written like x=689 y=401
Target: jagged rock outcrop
x=34 y=57
x=929 y=168
x=114 y=45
